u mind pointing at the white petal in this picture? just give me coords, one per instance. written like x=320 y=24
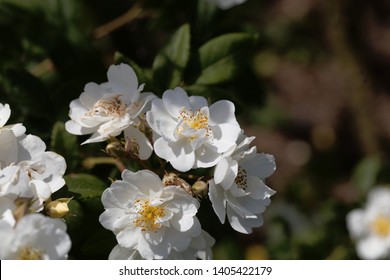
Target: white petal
x=145 y=147
x=181 y=221
x=255 y=206
x=98 y=137
x=47 y=234
x=357 y=223
x=218 y=201
x=243 y=225
x=262 y=165
x=109 y=219
x=372 y=248
x=235 y=205
x=160 y=121
x=155 y=237
x=148 y=251
x=119 y=194
x=74 y=128
x=145 y=180
x=225 y=173
x=179 y=241
x=257 y=189
x=31 y=147
x=223 y=111
x=225 y=136
x=18 y=129
x=15 y=179
x=92 y=93
x=129 y=237
x=206 y=157
x=8 y=148
x=55 y=167
x=175 y=100
x=227 y=4
x=121 y=253
x=123 y=77
x=244 y=154
x=6 y=236
x=40 y=192
x=5 y=113
x=180 y=154
x=198 y=102
x=80 y=114
x=141 y=105
x=379 y=201
x=7 y=207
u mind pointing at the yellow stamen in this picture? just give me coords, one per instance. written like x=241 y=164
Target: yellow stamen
x=30 y=253
x=195 y=120
x=381 y=226
x=149 y=214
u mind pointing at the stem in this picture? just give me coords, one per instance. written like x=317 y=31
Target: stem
x=92 y=161
x=135 y=12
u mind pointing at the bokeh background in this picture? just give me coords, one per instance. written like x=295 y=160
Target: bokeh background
x=314 y=88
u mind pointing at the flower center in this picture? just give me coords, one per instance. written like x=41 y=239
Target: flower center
x=30 y=253
x=241 y=178
x=149 y=214
x=108 y=107
x=194 y=124
x=381 y=226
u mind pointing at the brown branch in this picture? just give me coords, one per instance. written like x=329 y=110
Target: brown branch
x=135 y=12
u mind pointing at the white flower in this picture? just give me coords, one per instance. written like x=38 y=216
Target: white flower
x=9 y=173
x=238 y=189
x=5 y=112
x=226 y=4
x=199 y=248
x=35 y=237
x=7 y=206
x=148 y=217
x=370 y=227
x=188 y=133
x=109 y=108
x=30 y=171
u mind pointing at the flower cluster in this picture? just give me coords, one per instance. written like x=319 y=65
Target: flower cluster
x=109 y=108
x=153 y=211
x=370 y=227
x=29 y=175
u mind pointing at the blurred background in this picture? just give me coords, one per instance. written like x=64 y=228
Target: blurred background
x=313 y=87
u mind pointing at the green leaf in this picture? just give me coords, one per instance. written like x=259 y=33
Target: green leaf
x=365 y=174
x=28 y=91
x=169 y=64
x=99 y=243
x=221 y=71
x=205 y=14
x=220 y=58
x=85 y=185
x=75 y=214
x=65 y=144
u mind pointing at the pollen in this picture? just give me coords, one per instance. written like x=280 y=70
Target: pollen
x=241 y=179
x=195 y=120
x=148 y=216
x=30 y=253
x=381 y=226
x=113 y=107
